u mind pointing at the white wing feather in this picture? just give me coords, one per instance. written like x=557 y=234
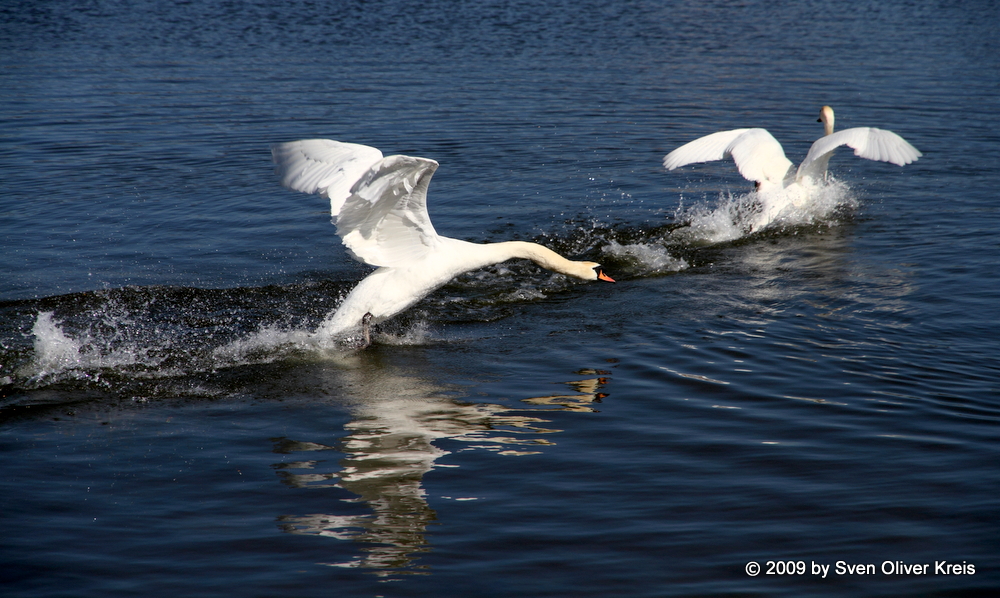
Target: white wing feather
x=757 y=154
x=323 y=166
x=867 y=142
x=384 y=222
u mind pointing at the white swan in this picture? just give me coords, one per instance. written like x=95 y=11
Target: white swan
x=760 y=159
x=380 y=208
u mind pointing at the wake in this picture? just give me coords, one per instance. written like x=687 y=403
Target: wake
x=154 y=333
x=736 y=216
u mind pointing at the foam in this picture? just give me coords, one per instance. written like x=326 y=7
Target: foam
x=649 y=258
x=59 y=355
x=735 y=216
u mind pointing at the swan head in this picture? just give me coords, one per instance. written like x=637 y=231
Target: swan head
x=588 y=271
x=826 y=117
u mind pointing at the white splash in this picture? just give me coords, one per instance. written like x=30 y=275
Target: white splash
x=57 y=353
x=54 y=350
x=737 y=216
x=650 y=258
x=268 y=344
x=274 y=343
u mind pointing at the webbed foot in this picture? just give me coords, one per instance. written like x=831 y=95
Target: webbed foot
x=366 y=330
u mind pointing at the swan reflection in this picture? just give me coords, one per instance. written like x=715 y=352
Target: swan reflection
x=396 y=420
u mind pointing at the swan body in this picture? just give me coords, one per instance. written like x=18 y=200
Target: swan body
x=380 y=208
x=760 y=158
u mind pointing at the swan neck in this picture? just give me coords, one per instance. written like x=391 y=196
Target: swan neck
x=545 y=257
x=541 y=255
x=826 y=116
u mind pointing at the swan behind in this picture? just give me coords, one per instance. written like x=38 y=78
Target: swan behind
x=760 y=158
x=380 y=207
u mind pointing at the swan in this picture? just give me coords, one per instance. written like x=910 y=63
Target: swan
x=760 y=158
x=379 y=205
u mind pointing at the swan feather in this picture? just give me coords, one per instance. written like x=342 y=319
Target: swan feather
x=757 y=154
x=867 y=142
x=384 y=222
x=329 y=168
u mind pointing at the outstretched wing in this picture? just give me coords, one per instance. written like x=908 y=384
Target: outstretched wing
x=323 y=166
x=757 y=154
x=867 y=142
x=384 y=222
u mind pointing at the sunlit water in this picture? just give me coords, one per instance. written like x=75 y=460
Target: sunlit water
x=822 y=390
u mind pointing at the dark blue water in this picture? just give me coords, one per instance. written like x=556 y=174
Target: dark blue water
x=822 y=391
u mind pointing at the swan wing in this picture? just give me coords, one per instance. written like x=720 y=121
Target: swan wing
x=384 y=221
x=867 y=142
x=758 y=155
x=323 y=166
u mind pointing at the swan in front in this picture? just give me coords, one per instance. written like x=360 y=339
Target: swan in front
x=778 y=184
x=379 y=205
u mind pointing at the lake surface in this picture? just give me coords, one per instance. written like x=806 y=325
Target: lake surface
x=823 y=391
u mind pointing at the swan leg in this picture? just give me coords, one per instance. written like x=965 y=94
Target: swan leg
x=366 y=329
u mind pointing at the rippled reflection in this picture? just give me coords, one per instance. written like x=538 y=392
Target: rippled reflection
x=396 y=419
x=588 y=392
x=824 y=265
x=800 y=304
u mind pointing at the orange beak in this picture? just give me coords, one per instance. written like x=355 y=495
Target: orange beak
x=602 y=276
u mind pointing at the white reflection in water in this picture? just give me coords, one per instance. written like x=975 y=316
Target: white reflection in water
x=397 y=418
x=819 y=268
